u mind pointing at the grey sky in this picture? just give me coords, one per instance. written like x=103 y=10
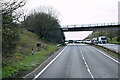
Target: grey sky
x=80 y=11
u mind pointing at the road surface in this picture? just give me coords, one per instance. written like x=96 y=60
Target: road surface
x=81 y=61
x=112 y=46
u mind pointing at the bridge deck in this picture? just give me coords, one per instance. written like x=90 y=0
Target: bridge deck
x=92 y=27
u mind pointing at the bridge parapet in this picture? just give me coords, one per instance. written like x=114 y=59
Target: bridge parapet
x=91 y=25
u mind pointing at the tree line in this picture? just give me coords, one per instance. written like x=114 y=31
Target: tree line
x=10 y=26
x=46 y=25
x=111 y=35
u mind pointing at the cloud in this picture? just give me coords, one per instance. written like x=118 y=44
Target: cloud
x=80 y=12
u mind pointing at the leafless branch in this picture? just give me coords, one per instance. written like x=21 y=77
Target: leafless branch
x=12 y=5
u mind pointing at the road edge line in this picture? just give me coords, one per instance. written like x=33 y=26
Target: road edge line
x=107 y=55
x=48 y=65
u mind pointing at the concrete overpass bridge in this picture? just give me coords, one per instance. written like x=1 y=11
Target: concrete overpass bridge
x=92 y=27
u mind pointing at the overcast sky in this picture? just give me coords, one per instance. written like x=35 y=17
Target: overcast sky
x=80 y=12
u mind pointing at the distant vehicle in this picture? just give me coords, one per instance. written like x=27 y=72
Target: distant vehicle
x=88 y=41
x=84 y=42
x=95 y=40
x=77 y=41
x=102 y=40
x=66 y=42
x=71 y=41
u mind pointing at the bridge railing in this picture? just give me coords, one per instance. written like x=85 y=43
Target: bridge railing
x=90 y=25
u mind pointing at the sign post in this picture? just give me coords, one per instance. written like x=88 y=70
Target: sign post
x=38 y=45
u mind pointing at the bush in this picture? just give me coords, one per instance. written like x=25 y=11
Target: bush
x=10 y=35
x=45 y=25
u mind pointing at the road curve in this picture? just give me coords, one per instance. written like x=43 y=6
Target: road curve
x=81 y=61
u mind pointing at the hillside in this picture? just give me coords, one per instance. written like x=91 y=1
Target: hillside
x=22 y=61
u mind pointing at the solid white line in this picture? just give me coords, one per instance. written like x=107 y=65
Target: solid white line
x=107 y=55
x=48 y=65
x=88 y=69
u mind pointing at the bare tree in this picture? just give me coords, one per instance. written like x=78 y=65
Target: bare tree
x=13 y=7
x=48 y=10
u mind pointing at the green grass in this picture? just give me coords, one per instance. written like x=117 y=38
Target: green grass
x=114 y=41
x=23 y=60
x=108 y=51
x=28 y=63
x=0 y=71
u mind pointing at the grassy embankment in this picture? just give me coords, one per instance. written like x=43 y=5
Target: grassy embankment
x=22 y=62
x=114 y=41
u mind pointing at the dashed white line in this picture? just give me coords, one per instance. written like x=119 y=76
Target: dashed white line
x=48 y=65
x=88 y=69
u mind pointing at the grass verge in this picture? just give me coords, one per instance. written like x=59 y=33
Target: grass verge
x=27 y=64
x=22 y=61
x=116 y=43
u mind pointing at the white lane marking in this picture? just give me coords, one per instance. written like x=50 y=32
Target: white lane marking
x=48 y=65
x=107 y=55
x=88 y=69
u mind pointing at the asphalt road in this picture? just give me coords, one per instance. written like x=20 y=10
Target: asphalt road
x=112 y=46
x=81 y=61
